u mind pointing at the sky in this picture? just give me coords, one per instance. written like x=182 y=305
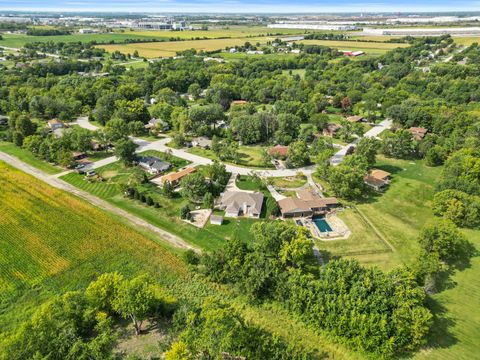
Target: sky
x=242 y=6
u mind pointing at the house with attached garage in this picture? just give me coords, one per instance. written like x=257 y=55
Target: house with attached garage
x=306 y=204
x=152 y=164
x=241 y=203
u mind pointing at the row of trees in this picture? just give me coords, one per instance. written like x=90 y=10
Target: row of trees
x=380 y=313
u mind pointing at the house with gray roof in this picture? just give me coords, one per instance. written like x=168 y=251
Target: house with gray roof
x=241 y=203
x=152 y=164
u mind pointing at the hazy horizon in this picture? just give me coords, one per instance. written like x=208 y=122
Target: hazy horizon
x=240 y=7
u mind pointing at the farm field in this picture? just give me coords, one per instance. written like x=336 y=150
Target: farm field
x=19 y=40
x=170 y=48
x=27 y=157
x=53 y=242
x=215 y=33
x=39 y=261
x=370 y=48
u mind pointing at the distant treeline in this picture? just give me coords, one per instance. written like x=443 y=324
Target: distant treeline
x=12 y=26
x=48 y=32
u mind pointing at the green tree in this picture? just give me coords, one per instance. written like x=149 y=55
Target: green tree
x=135 y=300
x=125 y=151
x=298 y=154
x=193 y=187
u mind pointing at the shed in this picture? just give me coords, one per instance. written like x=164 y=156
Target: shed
x=216 y=220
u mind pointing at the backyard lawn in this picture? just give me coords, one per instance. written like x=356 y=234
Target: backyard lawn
x=167 y=215
x=292 y=182
x=250 y=156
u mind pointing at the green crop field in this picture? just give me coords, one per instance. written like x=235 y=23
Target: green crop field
x=52 y=242
x=370 y=48
x=19 y=40
x=170 y=48
x=223 y=32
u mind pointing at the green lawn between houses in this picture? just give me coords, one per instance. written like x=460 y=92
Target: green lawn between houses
x=250 y=156
x=167 y=216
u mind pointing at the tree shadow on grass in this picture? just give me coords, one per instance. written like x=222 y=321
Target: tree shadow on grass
x=439 y=335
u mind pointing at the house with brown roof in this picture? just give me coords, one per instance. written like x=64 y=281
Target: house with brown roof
x=377 y=179
x=306 y=204
x=241 y=203
x=355 y=118
x=174 y=178
x=418 y=133
x=278 y=151
x=331 y=129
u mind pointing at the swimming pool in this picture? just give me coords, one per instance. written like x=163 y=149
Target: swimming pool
x=322 y=224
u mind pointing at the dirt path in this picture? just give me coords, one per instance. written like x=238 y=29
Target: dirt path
x=62 y=185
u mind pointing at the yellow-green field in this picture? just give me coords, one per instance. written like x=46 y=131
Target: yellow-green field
x=370 y=48
x=215 y=33
x=52 y=241
x=170 y=48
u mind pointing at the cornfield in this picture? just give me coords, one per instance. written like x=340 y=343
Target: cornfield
x=52 y=241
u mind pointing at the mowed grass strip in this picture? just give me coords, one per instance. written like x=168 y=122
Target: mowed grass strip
x=46 y=234
x=27 y=157
x=170 y=48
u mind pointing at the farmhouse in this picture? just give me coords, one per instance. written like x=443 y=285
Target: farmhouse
x=307 y=203
x=202 y=142
x=55 y=124
x=331 y=129
x=278 y=151
x=355 y=118
x=241 y=203
x=418 y=133
x=174 y=178
x=377 y=179
x=152 y=164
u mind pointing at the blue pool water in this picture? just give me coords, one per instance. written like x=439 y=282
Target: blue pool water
x=322 y=224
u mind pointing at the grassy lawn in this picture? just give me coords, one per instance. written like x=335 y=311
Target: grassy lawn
x=249 y=156
x=79 y=242
x=363 y=244
x=300 y=72
x=404 y=208
x=289 y=182
x=456 y=332
x=167 y=215
x=27 y=157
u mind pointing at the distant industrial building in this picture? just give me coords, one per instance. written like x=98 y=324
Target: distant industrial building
x=423 y=31
x=324 y=26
